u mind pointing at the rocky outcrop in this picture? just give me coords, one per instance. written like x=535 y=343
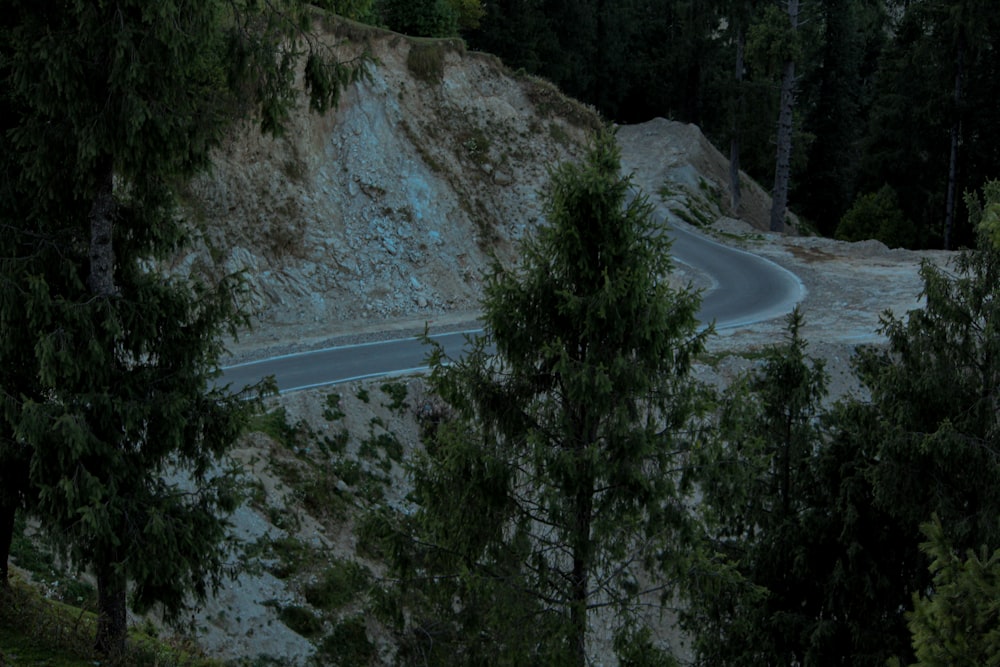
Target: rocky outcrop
x=393 y=204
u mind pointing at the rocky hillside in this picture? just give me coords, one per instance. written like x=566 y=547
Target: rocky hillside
x=385 y=214
x=391 y=205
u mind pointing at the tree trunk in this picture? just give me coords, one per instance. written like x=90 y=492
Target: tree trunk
x=783 y=162
x=581 y=573
x=956 y=137
x=735 y=191
x=111 y=619
x=8 y=512
x=102 y=253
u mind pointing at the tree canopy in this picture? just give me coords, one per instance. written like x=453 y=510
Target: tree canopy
x=113 y=426
x=572 y=421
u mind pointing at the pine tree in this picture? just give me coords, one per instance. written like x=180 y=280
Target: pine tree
x=758 y=482
x=822 y=571
x=776 y=44
x=957 y=622
x=108 y=401
x=558 y=486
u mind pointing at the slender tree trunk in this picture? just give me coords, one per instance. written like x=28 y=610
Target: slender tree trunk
x=111 y=619
x=783 y=162
x=8 y=512
x=582 y=548
x=102 y=253
x=735 y=187
x=956 y=137
x=111 y=585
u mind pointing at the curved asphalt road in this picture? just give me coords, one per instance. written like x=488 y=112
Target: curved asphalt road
x=746 y=289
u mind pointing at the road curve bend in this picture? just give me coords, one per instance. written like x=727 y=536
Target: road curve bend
x=745 y=289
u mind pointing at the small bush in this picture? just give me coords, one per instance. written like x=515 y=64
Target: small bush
x=396 y=391
x=333 y=412
x=421 y=18
x=348 y=644
x=878 y=216
x=341 y=584
x=426 y=62
x=301 y=620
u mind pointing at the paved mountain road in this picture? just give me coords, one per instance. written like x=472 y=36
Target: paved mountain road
x=746 y=289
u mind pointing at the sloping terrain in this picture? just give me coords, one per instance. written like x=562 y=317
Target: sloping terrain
x=392 y=205
x=385 y=214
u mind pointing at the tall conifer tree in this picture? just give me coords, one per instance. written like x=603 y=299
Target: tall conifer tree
x=567 y=453
x=107 y=385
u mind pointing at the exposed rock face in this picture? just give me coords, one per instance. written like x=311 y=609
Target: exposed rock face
x=392 y=204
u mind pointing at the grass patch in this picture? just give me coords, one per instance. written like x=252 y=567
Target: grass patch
x=426 y=61
x=291 y=557
x=333 y=412
x=693 y=215
x=476 y=146
x=396 y=391
x=37 y=631
x=275 y=425
x=45 y=568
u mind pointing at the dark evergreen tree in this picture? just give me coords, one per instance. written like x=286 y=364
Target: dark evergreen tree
x=825 y=572
x=956 y=622
x=933 y=127
x=756 y=488
x=573 y=417
x=833 y=117
x=107 y=388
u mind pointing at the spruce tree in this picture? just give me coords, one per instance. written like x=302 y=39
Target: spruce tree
x=757 y=483
x=558 y=486
x=822 y=572
x=110 y=412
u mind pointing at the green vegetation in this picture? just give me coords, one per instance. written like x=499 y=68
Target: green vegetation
x=301 y=620
x=561 y=429
x=877 y=216
x=348 y=645
x=426 y=61
x=341 y=584
x=889 y=92
x=36 y=631
x=396 y=391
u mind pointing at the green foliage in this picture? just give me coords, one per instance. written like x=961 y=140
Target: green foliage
x=877 y=216
x=348 y=645
x=468 y=13
x=333 y=412
x=301 y=620
x=958 y=622
x=39 y=631
x=426 y=61
x=396 y=391
x=111 y=418
x=771 y=41
x=984 y=215
x=422 y=18
x=356 y=10
x=934 y=389
x=580 y=421
x=341 y=584
x=758 y=485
